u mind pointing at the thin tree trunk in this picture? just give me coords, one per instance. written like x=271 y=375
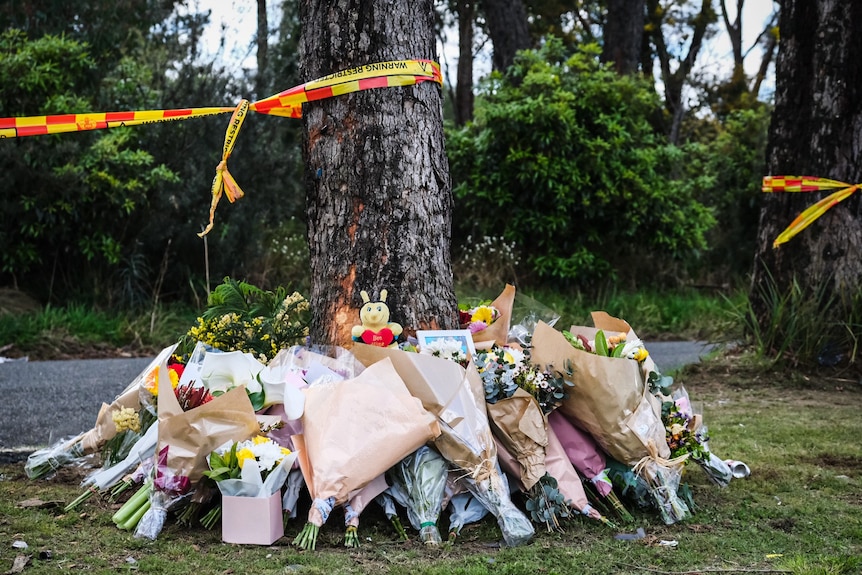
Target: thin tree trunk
x=622 y=34
x=674 y=81
x=464 y=88
x=377 y=179
x=816 y=130
x=262 y=46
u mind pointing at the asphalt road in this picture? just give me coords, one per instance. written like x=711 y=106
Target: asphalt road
x=45 y=401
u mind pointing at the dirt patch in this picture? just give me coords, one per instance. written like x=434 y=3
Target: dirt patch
x=737 y=370
x=846 y=464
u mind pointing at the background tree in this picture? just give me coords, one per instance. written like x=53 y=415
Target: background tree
x=676 y=32
x=814 y=131
x=508 y=29
x=563 y=161
x=377 y=181
x=623 y=34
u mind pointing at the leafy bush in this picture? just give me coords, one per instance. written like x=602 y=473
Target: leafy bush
x=726 y=169
x=563 y=161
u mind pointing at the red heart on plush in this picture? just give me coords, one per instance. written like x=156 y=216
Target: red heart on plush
x=380 y=338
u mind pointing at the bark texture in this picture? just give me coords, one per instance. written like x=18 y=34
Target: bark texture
x=508 y=28
x=816 y=130
x=623 y=34
x=377 y=179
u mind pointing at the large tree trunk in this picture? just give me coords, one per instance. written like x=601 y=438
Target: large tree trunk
x=816 y=130
x=508 y=28
x=623 y=33
x=377 y=179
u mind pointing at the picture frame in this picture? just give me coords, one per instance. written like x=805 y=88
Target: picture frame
x=461 y=335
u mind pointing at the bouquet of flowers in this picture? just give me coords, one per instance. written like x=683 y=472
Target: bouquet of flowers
x=345 y=443
x=496 y=318
x=255 y=467
x=686 y=433
x=191 y=425
x=516 y=419
x=610 y=400
x=252 y=468
x=44 y=461
x=455 y=396
x=242 y=317
x=477 y=318
x=581 y=450
x=419 y=484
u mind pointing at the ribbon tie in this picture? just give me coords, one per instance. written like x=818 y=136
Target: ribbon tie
x=807 y=184
x=224 y=182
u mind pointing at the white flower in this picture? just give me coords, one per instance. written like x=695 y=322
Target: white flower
x=447 y=348
x=276 y=389
x=630 y=348
x=222 y=371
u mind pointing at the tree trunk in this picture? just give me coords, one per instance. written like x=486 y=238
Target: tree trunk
x=622 y=34
x=464 y=88
x=816 y=130
x=508 y=28
x=262 y=45
x=377 y=178
x=675 y=80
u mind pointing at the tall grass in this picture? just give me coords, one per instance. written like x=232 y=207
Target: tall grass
x=802 y=326
x=78 y=330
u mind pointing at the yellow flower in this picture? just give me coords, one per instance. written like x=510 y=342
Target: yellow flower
x=641 y=354
x=258 y=439
x=243 y=454
x=483 y=313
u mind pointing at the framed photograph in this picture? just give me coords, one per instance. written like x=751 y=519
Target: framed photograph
x=461 y=336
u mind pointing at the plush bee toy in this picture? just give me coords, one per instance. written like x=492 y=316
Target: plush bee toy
x=376 y=329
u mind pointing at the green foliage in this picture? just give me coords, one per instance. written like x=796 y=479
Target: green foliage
x=244 y=317
x=725 y=169
x=562 y=160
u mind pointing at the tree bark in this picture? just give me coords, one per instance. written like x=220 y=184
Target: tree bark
x=622 y=34
x=816 y=130
x=377 y=179
x=508 y=28
x=464 y=88
x=262 y=46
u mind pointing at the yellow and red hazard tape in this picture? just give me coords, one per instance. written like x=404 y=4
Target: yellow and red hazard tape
x=807 y=184
x=287 y=104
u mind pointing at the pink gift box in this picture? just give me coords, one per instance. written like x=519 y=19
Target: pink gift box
x=252 y=520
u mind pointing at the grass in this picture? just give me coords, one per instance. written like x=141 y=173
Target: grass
x=799 y=512
x=77 y=331
x=81 y=331
x=684 y=314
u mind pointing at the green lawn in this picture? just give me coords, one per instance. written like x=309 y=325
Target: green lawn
x=799 y=512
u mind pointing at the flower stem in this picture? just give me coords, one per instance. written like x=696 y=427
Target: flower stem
x=351 y=537
x=307 y=538
x=80 y=499
x=135 y=502
x=399 y=528
x=211 y=517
